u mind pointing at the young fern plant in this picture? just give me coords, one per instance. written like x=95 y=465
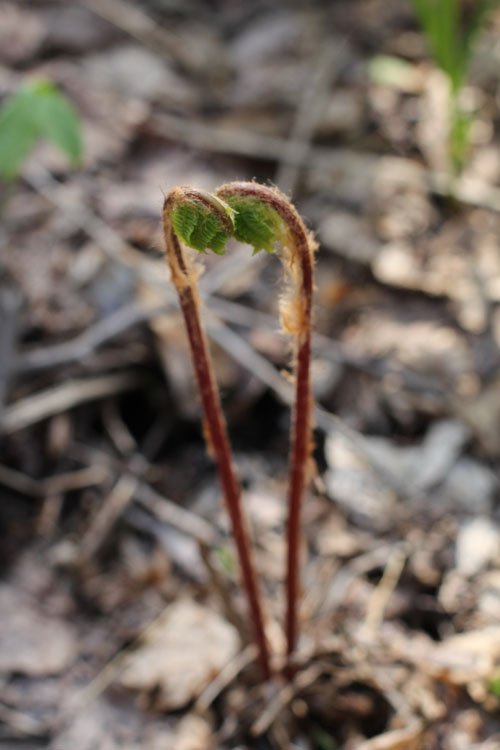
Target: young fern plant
x=267 y=214
x=264 y=218
x=202 y=221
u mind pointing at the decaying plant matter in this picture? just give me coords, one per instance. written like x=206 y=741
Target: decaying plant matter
x=264 y=218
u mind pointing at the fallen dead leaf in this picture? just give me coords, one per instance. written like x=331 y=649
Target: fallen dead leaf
x=470 y=656
x=478 y=545
x=193 y=733
x=92 y=727
x=409 y=738
x=181 y=654
x=30 y=642
x=460 y=659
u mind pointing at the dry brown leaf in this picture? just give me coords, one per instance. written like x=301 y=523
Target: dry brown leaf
x=409 y=738
x=193 y=733
x=93 y=726
x=30 y=642
x=478 y=545
x=469 y=656
x=181 y=654
x=460 y=659
x=482 y=414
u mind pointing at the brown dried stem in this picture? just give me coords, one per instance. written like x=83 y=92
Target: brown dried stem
x=184 y=277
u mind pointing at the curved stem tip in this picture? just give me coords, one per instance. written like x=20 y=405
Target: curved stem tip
x=296 y=312
x=184 y=277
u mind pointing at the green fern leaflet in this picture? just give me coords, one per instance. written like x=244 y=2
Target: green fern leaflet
x=256 y=224
x=197 y=226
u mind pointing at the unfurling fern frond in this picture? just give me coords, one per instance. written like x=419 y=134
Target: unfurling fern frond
x=256 y=223
x=197 y=226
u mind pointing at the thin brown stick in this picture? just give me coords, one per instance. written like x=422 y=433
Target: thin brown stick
x=64 y=396
x=184 y=278
x=296 y=312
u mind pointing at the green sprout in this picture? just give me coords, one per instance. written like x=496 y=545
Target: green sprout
x=494 y=685
x=37 y=110
x=451 y=43
x=226 y=559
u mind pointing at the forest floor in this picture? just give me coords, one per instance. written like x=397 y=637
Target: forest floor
x=122 y=624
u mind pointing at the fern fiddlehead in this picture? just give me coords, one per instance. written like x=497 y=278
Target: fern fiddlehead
x=203 y=221
x=263 y=218
x=280 y=223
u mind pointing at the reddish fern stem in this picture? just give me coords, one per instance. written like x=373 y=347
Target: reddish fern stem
x=184 y=278
x=298 y=260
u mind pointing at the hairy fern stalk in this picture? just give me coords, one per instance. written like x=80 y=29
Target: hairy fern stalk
x=296 y=245
x=263 y=218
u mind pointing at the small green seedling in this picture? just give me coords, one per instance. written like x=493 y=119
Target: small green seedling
x=451 y=42
x=37 y=110
x=263 y=218
x=323 y=740
x=494 y=685
x=226 y=559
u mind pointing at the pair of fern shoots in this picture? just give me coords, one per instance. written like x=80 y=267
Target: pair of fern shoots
x=265 y=219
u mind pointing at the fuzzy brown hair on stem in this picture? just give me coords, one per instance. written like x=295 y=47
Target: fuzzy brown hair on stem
x=297 y=254
x=203 y=221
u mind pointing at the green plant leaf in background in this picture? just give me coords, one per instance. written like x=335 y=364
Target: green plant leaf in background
x=58 y=120
x=451 y=38
x=18 y=133
x=440 y=21
x=37 y=110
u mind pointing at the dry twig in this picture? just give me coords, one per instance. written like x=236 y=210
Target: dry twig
x=64 y=396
